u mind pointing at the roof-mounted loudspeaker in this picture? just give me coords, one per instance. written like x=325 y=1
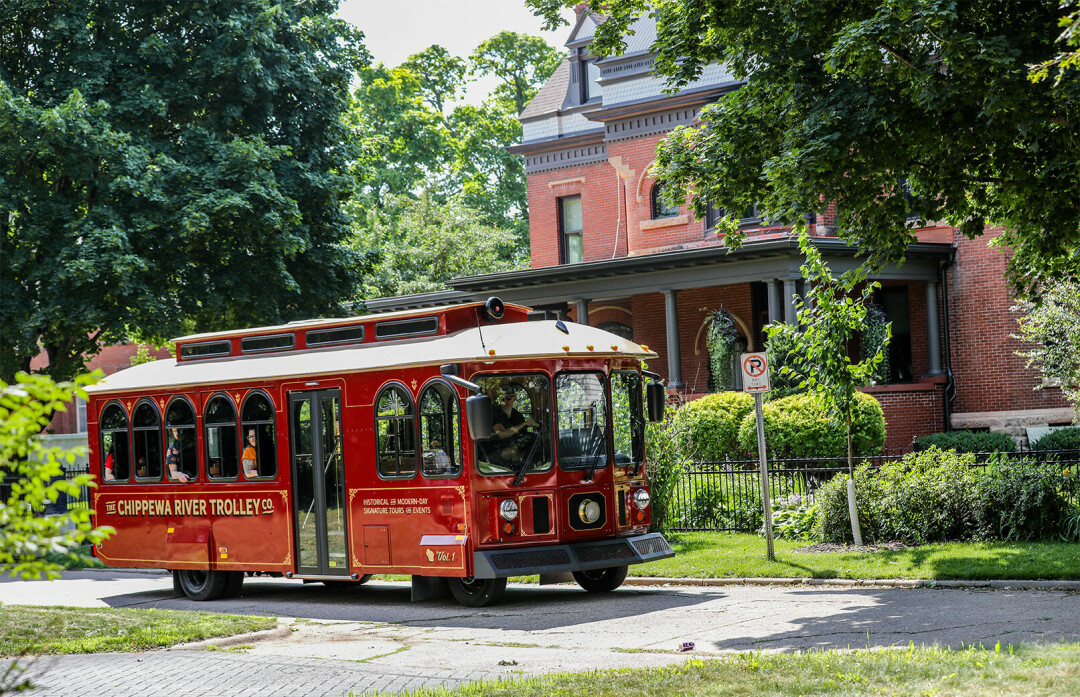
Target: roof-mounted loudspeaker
x=494 y=309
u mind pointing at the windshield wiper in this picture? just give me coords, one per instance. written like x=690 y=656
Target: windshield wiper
x=594 y=453
x=527 y=462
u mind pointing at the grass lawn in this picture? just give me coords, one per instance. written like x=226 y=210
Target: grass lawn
x=44 y=630
x=1015 y=671
x=727 y=555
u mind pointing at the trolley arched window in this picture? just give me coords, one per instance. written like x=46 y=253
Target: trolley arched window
x=395 y=429
x=221 y=439
x=258 y=458
x=440 y=431
x=115 y=446
x=181 y=459
x=146 y=437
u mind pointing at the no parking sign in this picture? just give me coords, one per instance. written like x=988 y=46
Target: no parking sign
x=755 y=372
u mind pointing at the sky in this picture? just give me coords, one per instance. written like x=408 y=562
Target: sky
x=393 y=31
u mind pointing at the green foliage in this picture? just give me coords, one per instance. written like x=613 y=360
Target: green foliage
x=967 y=442
x=36 y=476
x=715 y=503
x=874 y=340
x=169 y=165
x=1069 y=38
x=938 y=495
x=708 y=427
x=847 y=98
x=801 y=426
x=783 y=350
x=520 y=61
x=720 y=340
x=794 y=518
x=664 y=467
x=1054 y=326
x=1059 y=439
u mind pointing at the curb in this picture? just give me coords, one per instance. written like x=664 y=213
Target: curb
x=858 y=582
x=280 y=632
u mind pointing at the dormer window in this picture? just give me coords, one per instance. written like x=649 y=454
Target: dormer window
x=588 y=74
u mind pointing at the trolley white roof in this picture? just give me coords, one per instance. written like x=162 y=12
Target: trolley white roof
x=510 y=340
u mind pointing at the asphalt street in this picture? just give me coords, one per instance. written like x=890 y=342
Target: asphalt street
x=372 y=637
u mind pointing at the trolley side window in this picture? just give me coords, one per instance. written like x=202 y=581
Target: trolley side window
x=440 y=431
x=146 y=436
x=395 y=428
x=221 y=439
x=582 y=420
x=181 y=459
x=258 y=457
x=115 y=446
x=628 y=425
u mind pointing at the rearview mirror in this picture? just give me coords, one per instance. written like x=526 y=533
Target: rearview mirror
x=478 y=415
x=655 y=397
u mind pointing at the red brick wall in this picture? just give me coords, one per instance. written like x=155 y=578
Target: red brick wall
x=989 y=375
x=600 y=193
x=910 y=412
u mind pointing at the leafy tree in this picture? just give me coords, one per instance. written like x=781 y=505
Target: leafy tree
x=1069 y=39
x=166 y=166
x=1054 y=326
x=422 y=244
x=834 y=316
x=521 y=61
x=887 y=109
x=442 y=75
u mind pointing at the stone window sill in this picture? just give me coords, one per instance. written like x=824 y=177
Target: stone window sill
x=665 y=222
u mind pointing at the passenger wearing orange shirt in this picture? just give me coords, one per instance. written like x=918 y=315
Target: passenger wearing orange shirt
x=248 y=456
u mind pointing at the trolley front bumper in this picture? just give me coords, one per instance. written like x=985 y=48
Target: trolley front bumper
x=581 y=556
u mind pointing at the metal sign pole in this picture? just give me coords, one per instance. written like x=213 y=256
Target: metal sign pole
x=764 y=477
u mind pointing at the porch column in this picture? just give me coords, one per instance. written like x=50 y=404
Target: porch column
x=582 y=306
x=789 y=301
x=674 y=349
x=933 y=337
x=774 y=301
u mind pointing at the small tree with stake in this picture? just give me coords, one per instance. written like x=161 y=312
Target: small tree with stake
x=835 y=314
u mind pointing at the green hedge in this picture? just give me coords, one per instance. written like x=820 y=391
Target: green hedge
x=799 y=426
x=1059 y=439
x=708 y=427
x=936 y=495
x=967 y=442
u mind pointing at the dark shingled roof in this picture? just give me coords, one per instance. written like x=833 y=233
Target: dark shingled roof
x=552 y=95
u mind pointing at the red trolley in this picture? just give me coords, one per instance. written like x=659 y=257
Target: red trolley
x=464 y=444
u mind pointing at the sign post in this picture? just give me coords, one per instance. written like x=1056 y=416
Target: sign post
x=755 y=374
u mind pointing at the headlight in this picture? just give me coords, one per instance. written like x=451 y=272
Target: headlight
x=508 y=509
x=589 y=511
x=641 y=499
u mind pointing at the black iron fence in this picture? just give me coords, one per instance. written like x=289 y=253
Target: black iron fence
x=725 y=495
x=64 y=501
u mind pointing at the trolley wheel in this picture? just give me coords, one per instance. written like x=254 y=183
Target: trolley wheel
x=601 y=580
x=477 y=592
x=234 y=581
x=198 y=584
x=347 y=584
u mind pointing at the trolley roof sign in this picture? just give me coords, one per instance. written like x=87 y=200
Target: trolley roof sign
x=755 y=372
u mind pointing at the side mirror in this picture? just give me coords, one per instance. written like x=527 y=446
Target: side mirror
x=478 y=415
x=655 y=396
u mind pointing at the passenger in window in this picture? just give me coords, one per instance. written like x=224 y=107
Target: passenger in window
x=140 y=466
x=510 y=428
x=172 y=459
x=436 y=461
x=110 y=475
x=248 y=456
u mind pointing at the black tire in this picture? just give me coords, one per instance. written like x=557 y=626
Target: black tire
x=601 y=580
x=477 y=592
x=347 y=584
x=198 y=584
x=234 y=581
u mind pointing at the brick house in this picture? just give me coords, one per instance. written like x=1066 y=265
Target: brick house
x=606 y=251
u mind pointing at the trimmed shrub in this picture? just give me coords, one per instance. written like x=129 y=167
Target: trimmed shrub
x=708 y=427
x=938 y=495
x=967 y=442
x=799 y=426
x=1059 y=439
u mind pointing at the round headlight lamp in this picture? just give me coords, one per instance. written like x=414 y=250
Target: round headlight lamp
x=589 y=511
x=508 y=509
x=641 y=499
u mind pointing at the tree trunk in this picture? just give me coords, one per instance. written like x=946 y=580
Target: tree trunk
x=853 y=509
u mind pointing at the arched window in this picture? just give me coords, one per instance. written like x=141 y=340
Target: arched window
x=181 y=460
x=618 y=329
x=395 y=429
x=440 y=431
x=258 y=456
x=115 y=446
x=221 y=441
x=146 y=437
x=661 y=208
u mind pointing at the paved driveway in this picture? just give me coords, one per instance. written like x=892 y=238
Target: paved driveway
x=371 y=637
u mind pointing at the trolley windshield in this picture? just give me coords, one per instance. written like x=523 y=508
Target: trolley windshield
x=520 y=442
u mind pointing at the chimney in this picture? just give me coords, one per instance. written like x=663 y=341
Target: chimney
x=580 y=9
